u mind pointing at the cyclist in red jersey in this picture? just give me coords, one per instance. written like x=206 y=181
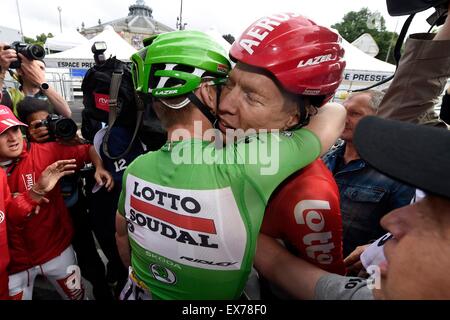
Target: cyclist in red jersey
x=305 y=213
x=305 y=210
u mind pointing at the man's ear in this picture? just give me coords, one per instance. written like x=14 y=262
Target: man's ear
x=208 y=95
x=292 y=121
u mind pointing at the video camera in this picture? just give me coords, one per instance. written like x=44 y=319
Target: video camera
x=31 y=51
x=408 y=7
x=59 y=127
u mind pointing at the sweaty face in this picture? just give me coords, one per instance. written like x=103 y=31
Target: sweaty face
x=11 y=143
x=418 y=258
x=252 y=100
x=357 y=107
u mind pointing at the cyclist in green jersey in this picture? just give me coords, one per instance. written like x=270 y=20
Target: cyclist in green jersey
x=189 y=214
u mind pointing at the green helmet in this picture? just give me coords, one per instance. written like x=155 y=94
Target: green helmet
x=173 y=64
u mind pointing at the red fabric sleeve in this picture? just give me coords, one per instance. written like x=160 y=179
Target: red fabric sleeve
x=4 y=253
x=78 y=152
x=305 y=213
x=19 y=208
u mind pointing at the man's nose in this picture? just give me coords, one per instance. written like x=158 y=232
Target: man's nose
x=11 y=135
x=228 y=102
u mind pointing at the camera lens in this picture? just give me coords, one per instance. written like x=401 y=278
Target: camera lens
x=65 y=129
x=37 y=52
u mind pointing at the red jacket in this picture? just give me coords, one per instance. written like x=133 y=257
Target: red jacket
x=304 y=211
x=39 y=238
x=15 y=210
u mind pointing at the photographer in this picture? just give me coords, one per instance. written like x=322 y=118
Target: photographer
x=31 y=76
x=417 y=155
x=43 y=125
x=41 y=244
x=36 y=114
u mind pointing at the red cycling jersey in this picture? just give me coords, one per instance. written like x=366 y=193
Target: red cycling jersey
x=304 y=212
x=4 y=253
x=39 y=238
x=15 y=209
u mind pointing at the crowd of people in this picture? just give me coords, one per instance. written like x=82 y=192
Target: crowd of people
x=264 y=189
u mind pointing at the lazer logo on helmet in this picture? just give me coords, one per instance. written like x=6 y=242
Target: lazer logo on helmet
x=261 y=29
x=165 y=92
x=316 y=60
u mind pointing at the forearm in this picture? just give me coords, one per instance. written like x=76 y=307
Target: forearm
x=20 y=207
x=420 y=77
x=95 y=158
x=444 y=31
x=328 y=124
x=292 y=274
x=123 y=245
x=61 y=106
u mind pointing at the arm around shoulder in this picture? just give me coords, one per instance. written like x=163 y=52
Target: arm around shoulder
x=291 y=273
x=328 y=124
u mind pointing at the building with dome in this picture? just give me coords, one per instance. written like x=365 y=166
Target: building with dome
x=138 y=25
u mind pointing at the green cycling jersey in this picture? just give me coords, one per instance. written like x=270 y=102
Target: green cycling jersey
x=194 y=210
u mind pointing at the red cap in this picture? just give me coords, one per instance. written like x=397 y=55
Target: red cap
x=307 y=59
x=8 y=119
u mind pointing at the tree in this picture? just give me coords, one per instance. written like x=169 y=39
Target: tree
x=354 y=24
x=229 y=38
x=40 y=39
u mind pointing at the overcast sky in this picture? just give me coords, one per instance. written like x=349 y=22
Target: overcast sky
x=228 y=16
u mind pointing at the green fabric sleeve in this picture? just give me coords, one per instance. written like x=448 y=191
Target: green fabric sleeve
x=270 y=158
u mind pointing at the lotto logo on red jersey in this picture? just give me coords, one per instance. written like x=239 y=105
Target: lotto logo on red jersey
x=318 y=243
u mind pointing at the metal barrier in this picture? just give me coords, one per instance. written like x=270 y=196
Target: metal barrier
x=69 y=87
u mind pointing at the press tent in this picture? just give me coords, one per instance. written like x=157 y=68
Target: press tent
x=362 y=69
x=64 y=41
x=81 y=57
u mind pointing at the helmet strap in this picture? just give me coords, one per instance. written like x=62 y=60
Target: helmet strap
x=218 y=94
x=201 y=106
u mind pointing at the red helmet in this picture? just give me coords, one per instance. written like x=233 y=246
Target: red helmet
x=307 y=59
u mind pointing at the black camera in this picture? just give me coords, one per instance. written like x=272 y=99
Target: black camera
x=59 y=127
x=31 y=51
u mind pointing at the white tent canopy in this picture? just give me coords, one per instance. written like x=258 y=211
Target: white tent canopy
x=81 y=57
x=367 y=44
x=362 y=69
x=65 y=41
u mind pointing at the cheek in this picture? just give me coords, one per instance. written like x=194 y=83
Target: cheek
x=418 y=267
x=254 y=118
